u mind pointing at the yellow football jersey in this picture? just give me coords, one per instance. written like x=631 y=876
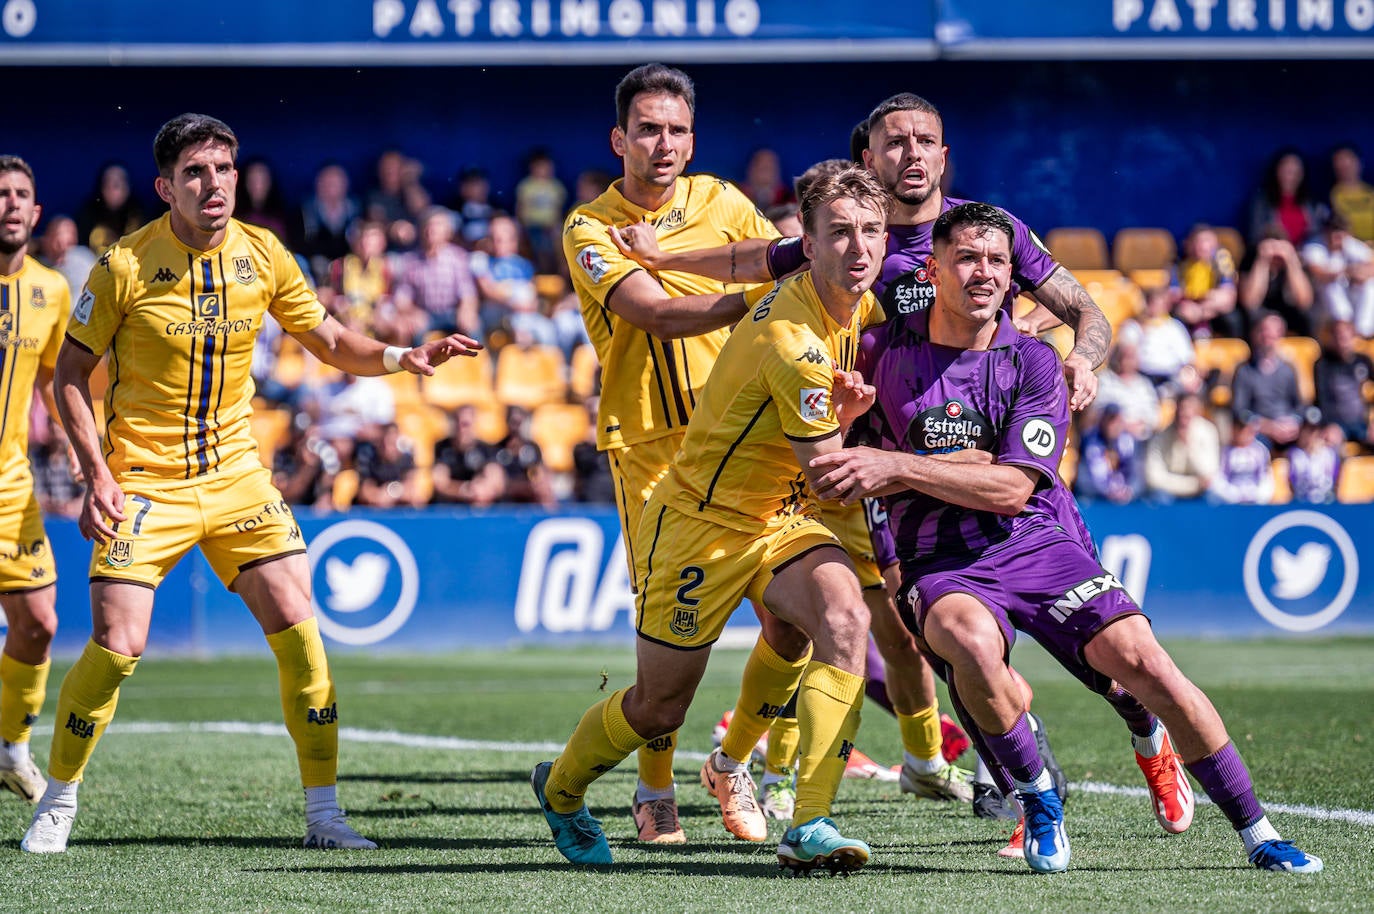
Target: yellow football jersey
x=34 y=304
x=180 y=325
x=771 y=383
x=649 y=386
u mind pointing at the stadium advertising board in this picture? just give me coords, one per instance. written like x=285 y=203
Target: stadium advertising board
x=447 y=580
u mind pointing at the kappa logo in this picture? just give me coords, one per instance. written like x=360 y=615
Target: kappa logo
x=684 y=623
x=243 y=270
x=120 y=553
x=592 y=263
x=813 y=355
x=575 y=222
x=1039 y=437
x=674 y=218
x=207 y=305
x=815 y=403
x=1072 y=601
x=164 y=274
x=37 y=299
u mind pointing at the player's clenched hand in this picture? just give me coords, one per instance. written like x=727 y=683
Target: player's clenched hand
x=103 y=503
x=637 y=241
x=852 y=396
x=423 y=359
x=1081 y=380
x=855 y=472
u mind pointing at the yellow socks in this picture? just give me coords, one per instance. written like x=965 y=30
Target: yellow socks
x=602 y=740
x=766 y=687
x=656 y=762
x=921 y=733
x=307 y=701
x=784 y=739
x=828 y=710
x=22 y=689
x=85 y=706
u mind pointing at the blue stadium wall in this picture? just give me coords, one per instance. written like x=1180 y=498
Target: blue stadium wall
x=1101 y=143
x=449 y=579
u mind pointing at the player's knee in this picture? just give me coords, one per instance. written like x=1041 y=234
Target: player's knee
x=848 y=622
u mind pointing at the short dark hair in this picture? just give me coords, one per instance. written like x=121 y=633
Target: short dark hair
x=14 y=163
x=977 y=215
x=837 y=179
x=904 y=101
x=858 y=141
x=186 y=130
x=656 y=79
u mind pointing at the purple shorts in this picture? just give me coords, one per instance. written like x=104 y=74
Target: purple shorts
x=884 y=546
x=1042 y=581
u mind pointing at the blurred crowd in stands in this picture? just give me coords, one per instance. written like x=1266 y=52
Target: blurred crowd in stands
x=1240 y=371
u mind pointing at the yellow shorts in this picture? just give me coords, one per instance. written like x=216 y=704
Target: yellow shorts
x=850 y=524
x=26 y=561
x=635 y=470
x=239 y=520
x=696 y=572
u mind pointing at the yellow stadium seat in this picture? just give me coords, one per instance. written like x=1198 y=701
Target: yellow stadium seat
x=1283 y=491
x=270 y=428
x=491 y=421
x=530 y=376
x=1068 y=465
x=1103 y=276
x=405 y=389
x=345 y=489
x=585 y=380
x=557 y=428
x=1232 y=241
x=424 y=425
x=1302 y=352
x=1356 y=485
x=289 y=368
x=1143 y=249
x=1223 y=355
x=1078 y=248
x=1120 y=301
x=550 y=286
x=461 y=380
x=1150 y=279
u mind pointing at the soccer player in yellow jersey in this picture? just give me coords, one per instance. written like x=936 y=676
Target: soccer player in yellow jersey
x=34 y=304
x=177 y=305
x=734 y=518
x=656 y=337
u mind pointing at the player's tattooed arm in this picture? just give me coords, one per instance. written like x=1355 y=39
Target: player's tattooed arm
x=1067 y=300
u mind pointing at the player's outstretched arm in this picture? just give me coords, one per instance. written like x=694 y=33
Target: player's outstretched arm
x=104 y=500
x=1068 y=301
x=640 y=300
x=334 y=344
x=752 y=260
x=861 y=472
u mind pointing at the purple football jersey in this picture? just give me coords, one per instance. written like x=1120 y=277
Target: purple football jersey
x=904 y=286
x=1009 y=400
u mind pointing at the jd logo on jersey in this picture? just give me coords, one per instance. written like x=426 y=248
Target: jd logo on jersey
x=207 y=305
x=243 y=270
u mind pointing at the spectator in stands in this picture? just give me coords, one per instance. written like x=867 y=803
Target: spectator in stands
x=786 y=218
x=1342 y=270
x=1122 y=385
x=592 y=480
x=325 y=218
x=1204 y=286
x=1265 y=388
x=473 y=206
x=1182 y=460
x=260 y=202
x=61 y=249
x=361 y=280
x=1163 y=342
x=58 y=491
x=437 y=280
x=305 y=466
x=527 y=479
x=386 y=201
x=387 y=476
x=539 y=201
x=1350 y=195
x=350 y=409
x=1341 y=376
x=506 y=283
x=1283 y=202
x=763 y=180
x=1276 y=282
x=1314 y=464
x=1110 y=462
x=568 y=326
x=111 y=211
x=1246 y=475
x=465 y=470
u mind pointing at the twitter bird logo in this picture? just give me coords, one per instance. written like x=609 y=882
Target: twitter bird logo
x=355 y=587
x=1297 y=575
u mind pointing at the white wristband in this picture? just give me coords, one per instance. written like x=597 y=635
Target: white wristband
x=391 y=358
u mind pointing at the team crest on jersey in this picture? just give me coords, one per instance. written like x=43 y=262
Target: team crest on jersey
x=82 y=312
x=120 y=554
x=675 y=218
x=243 y=270
x=6 y=327
x=37 y=299
x=684 y=623
x=207 y=305
x=592 y=263
x=815 y=403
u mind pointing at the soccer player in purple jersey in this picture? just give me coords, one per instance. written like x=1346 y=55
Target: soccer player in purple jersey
x=983 y=552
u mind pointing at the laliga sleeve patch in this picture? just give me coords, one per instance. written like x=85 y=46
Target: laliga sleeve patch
x=1039 y=437
x=815 y=403
x=592 y=263
x=81 y=313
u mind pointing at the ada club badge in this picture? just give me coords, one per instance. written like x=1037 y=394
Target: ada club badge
x=120 y=554
x=243 y=270
x=684 y=623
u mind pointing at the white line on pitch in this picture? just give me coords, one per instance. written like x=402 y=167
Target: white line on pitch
x=455 y=744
